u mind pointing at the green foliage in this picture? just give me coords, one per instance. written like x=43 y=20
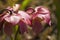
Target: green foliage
x=4 y=4
x=25 y=3
x=56 y=2
x=11 y=2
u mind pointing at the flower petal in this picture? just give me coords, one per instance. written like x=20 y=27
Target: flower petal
x=8 y=28
x=26 y=18
x=36 y=26
x=23 y=27
x=43 y=13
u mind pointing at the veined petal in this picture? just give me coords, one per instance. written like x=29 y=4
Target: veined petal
x=23 y=27
x=36 y=26
x=8 y=28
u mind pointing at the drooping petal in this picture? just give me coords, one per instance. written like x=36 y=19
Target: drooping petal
x=23 y=27
x=36 y=26
x=8 y=28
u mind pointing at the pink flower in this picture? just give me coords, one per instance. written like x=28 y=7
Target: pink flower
x=21 y=18
x=10 y=21
x=24 y=21
x=41 y=14
x=25 y=18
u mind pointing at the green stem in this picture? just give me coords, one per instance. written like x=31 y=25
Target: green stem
x=16 y=34
x=25 y=3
